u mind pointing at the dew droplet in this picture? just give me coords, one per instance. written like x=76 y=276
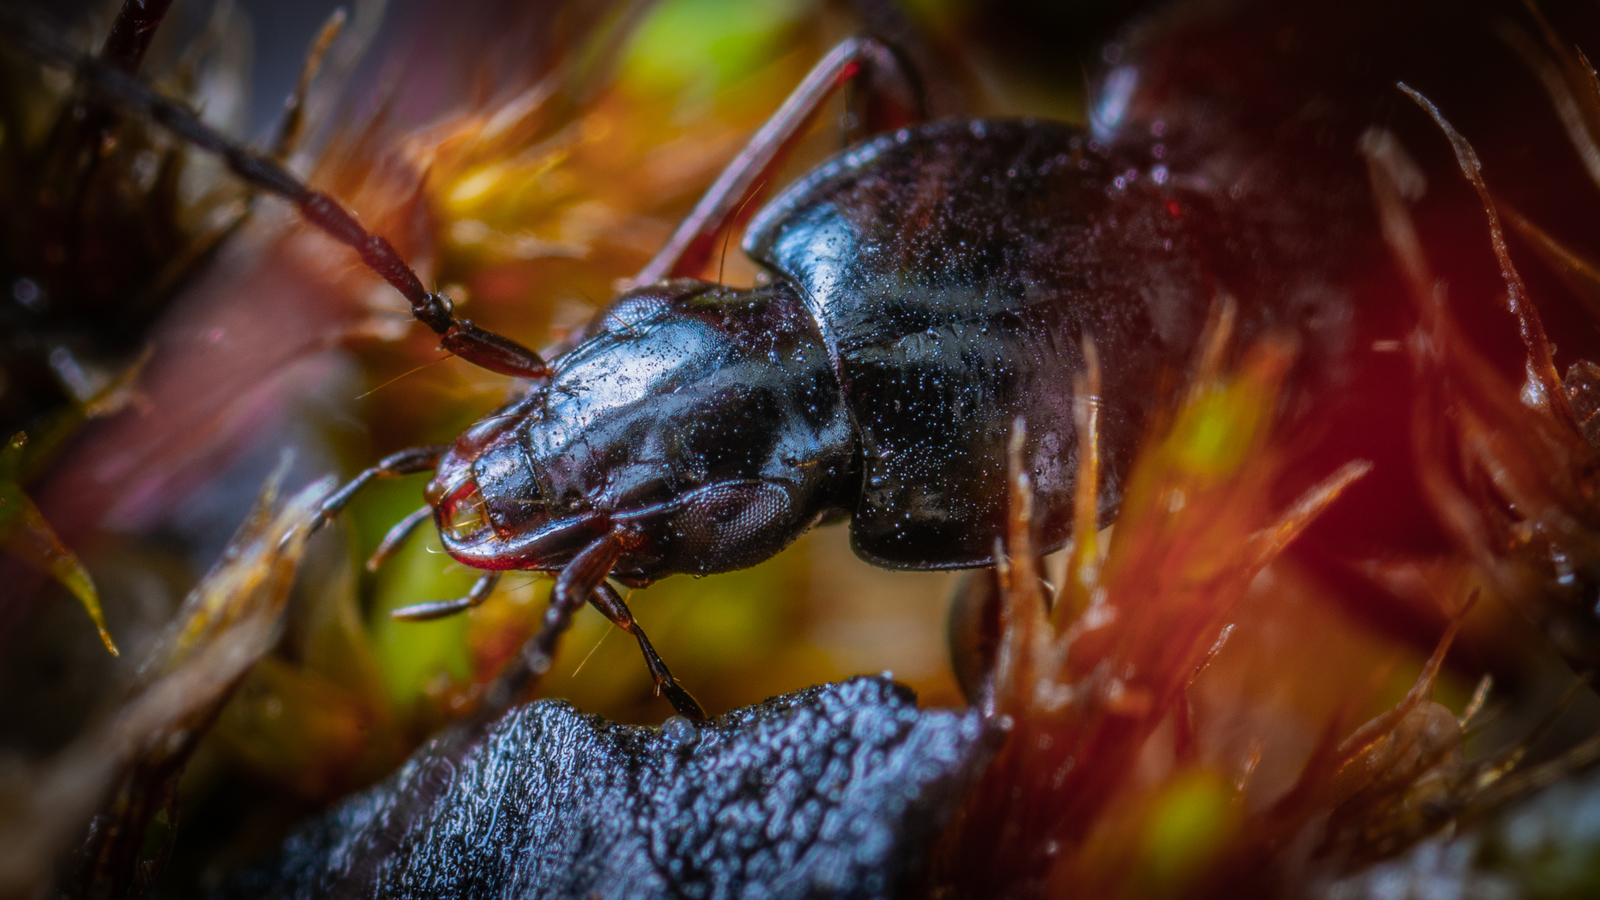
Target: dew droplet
x=681 y=732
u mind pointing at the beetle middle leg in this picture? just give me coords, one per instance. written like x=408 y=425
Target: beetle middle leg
x=573 y=587
x=973 y=631
x=863 y=55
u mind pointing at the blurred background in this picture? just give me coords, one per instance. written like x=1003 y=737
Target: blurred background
x=172 y=343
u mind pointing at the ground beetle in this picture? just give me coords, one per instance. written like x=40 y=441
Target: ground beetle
x=921 y=293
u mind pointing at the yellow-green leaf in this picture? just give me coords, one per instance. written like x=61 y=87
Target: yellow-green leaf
x=25 y=534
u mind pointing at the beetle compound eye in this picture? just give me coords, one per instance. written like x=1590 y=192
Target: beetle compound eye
x=733 y=524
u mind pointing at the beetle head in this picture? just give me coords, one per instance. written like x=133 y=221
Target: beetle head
x=704 y=426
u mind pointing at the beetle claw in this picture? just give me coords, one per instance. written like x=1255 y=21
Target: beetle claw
x=613 y=607
x=682 y=701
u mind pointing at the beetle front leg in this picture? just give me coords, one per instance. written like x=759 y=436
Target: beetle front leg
x=690 y=247
x=613 y=607
x=572 y=589
x=972 y=630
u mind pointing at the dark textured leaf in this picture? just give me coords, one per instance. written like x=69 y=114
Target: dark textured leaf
x=834 y=791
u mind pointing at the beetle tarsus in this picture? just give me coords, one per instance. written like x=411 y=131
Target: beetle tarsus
x=439 y=609
x=611 y=605
x=683 y=703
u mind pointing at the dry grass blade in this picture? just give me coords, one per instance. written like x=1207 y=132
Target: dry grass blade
x=1579 y=274
x=127 y=767
x=1566 y=79
x=1542 y=375
x=292 y=125
x=1081 y=700
x=1511 y=481
x=1083 y=568
x=25 y=534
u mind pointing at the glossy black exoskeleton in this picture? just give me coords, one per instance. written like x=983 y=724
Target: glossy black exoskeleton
x=925 y=290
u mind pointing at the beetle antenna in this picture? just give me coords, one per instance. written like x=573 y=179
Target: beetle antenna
x=722 y=262
x=402 y=375
x=727 y=236
x=459 y=336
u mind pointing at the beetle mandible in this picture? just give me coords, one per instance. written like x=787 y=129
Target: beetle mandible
x=921 y=292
